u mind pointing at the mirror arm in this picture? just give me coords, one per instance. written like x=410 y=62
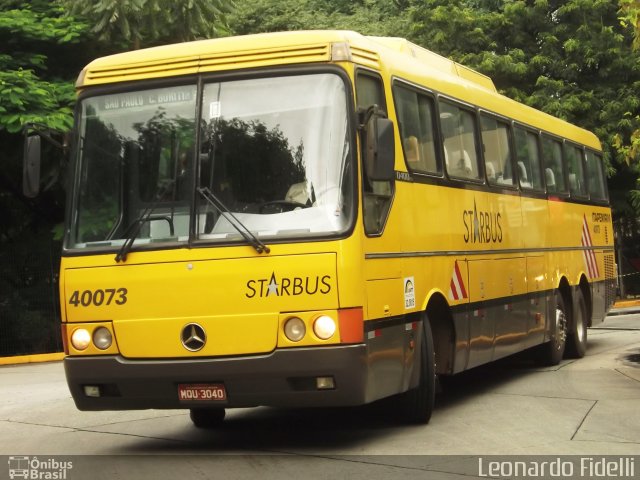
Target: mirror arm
x=365 y=114
x=45 y=132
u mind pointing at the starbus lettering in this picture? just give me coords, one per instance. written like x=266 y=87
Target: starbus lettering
x=481 y=227
x=288 y=286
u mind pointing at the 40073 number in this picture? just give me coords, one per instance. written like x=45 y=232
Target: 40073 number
x=99 y=297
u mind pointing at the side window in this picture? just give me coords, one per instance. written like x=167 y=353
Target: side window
x=416 y=122
x=595 y=177
x=553 y=170
x=528 y=159
x=377 y=195
x=497 y=152
x=577 y=183
x=458 y=135
x=369 y=91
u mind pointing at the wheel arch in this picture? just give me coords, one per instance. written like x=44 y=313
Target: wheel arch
x=585 y=288
x=440 y=318
x=564 y=287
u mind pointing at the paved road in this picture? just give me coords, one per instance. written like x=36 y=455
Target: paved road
x=586 y=407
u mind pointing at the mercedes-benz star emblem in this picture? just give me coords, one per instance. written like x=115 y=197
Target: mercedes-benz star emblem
x=193 y=337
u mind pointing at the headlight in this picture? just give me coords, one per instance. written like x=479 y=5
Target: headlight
x=294 y=329
x=80 y=339
x=324 y=327
x=102 y=338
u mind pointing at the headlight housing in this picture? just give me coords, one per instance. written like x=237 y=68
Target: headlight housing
x=102 y=338
x=295 y=329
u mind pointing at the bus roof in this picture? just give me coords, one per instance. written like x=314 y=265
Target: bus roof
x=396 y=57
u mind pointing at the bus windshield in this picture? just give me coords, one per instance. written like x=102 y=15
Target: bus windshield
x=274 y=151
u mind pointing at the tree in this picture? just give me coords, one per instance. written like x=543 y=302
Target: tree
x=369 y=17
x=630 y=16
x=28 y=34
x=40 y=56
x=34 y=89
x=137 y=23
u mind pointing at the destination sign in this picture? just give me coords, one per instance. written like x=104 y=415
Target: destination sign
x=143 y=99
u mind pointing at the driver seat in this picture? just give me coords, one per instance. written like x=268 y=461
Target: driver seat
x=299 y=193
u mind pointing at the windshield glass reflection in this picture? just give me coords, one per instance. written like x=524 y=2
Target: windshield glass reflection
x=274 y=151
x=136 y=151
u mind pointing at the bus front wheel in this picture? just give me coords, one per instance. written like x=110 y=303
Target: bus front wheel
x=207 y=417
x=577 y=338
x=417 y=404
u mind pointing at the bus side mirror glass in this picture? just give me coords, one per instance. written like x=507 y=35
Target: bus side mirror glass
x=31 y=166
x=380 y=149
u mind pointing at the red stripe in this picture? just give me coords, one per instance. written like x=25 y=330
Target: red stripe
x=463 y=291
x=589 y=255
x=454 y=291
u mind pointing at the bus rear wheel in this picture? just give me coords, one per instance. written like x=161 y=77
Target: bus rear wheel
x=551 y=353
x=417 y=404
x=207 y=417
x=577 y=339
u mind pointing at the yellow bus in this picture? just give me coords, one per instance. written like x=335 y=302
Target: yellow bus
x=317 y=218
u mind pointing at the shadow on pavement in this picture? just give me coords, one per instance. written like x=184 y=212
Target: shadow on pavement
x=274 y=430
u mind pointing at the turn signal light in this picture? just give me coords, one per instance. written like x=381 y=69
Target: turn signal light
x=80 y=339
x=324 y=327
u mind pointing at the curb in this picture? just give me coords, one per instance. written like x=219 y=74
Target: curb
x=626 y=303
x=22 y=359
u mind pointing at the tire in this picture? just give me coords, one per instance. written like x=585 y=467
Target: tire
x=417 y=404
x=551 y=353
x=577 y=338
x=207 y=417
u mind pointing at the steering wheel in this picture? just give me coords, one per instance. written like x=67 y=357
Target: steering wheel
x=285 y=205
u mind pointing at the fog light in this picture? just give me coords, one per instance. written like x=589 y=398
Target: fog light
x=294 y=329
x=80 y=339
x=102 y=338
x=324 y=327
x=325 y=383
x=92 y=391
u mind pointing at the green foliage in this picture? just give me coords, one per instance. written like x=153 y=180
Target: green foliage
x=28 y=33
x=28 y=99
x=629 y=147
x=32 y=25
x=630 y=17
x=137 y=23
x=370 y=17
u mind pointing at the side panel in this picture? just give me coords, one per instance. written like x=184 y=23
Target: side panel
x=496 y=286
x=538 y=287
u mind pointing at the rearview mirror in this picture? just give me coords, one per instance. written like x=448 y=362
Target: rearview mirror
x=379 y=149
x=31 y=166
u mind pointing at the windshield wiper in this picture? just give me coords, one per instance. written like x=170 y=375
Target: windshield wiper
x=251 y=239
x=134 y=229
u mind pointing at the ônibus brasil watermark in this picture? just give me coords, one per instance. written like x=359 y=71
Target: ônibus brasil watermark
x=34 y=468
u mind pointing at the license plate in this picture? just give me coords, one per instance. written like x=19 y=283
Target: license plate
x=210 y=392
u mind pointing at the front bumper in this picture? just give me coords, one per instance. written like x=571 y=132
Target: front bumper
x=282 y=378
